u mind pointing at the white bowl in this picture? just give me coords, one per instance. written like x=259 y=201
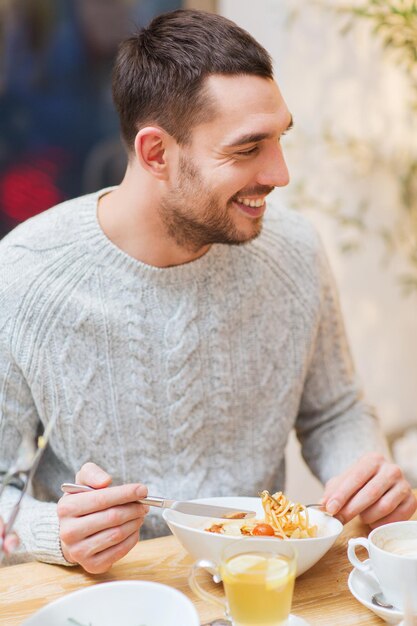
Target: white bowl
x=121 y=603
x=189 y=530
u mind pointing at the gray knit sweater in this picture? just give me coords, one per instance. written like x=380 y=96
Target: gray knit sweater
x=188 y=379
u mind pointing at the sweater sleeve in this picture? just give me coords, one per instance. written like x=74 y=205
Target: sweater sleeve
x=334 y=424
x=37 y=523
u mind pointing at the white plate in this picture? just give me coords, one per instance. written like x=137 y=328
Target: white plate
x=121 y=603
x=363 y=585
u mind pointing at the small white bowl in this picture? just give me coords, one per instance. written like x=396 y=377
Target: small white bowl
x=121 y=603
x=189 y=530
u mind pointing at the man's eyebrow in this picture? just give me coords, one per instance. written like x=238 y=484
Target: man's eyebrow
x=255 y=137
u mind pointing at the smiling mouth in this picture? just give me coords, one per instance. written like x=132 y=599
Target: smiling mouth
x=253 y=207
x=251 y=202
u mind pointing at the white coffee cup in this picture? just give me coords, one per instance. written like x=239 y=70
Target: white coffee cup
x=392 y=550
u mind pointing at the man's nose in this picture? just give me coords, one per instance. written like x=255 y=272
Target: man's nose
x=274 y=171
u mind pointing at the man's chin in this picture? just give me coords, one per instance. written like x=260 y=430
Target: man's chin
x=232 y=234
x=252 y=230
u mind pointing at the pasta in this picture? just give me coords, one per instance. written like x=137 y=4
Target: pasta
x=283 y=519
x=288 y=519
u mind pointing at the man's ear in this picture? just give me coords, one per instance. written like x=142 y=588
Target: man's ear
x=151 y=151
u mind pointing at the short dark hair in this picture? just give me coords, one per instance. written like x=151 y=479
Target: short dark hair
x=158 y=77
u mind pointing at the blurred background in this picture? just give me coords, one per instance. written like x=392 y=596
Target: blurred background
x=59 y=135
x=347 y=69
x=348 y=72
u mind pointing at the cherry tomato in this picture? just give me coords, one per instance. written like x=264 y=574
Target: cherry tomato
x=263 y=529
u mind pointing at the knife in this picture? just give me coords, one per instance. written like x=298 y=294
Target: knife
x=191 y=508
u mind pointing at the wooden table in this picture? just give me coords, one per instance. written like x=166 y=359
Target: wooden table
x=321 y=595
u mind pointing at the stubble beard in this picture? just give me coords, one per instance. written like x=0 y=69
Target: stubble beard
x=194 y=217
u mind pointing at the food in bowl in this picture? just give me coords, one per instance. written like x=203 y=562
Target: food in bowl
x=191 y=532
x=283 y=519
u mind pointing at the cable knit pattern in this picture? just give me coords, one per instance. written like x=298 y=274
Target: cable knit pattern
x=139 y=383
x=185 y=389
x=188 y=379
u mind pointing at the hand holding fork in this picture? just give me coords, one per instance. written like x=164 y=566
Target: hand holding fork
x=23 y=469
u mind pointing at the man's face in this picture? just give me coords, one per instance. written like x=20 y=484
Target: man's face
x=217 y=192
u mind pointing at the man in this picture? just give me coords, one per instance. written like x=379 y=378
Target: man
x=168 y=352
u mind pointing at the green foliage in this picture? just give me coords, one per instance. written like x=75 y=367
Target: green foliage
x=394 y=24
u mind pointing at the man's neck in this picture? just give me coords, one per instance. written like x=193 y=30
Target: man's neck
x=131 y=221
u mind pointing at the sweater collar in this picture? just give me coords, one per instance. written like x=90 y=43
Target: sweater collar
x=107 y=253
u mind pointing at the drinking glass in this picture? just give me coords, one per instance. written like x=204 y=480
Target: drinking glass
x=258 y=581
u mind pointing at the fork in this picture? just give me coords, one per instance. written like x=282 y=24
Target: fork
x=23 y=468
x=320 y=507
x=317 y=505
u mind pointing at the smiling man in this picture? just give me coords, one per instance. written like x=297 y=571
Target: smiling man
x=178 y=325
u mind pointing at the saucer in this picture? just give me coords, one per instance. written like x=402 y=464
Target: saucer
x=362 y=586
x=295 y=620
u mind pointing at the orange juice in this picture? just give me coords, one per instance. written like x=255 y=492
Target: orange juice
x=258 y=588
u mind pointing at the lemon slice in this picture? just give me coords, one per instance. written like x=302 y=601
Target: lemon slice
x=246 y=563
x=277 y=573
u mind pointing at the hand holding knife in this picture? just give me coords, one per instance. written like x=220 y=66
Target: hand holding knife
x=190 y=508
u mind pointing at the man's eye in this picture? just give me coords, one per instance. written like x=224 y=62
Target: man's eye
x=248 y=152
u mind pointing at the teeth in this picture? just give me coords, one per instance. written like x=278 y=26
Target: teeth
x=253 y=203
